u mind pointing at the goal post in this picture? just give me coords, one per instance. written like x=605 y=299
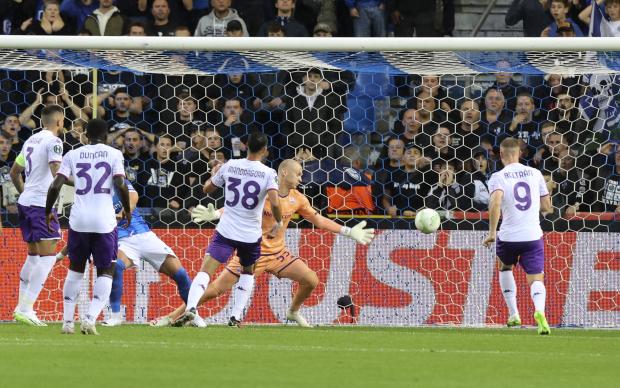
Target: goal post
x=383 y=127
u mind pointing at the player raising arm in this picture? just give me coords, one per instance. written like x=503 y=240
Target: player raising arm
x=39 y=159
x=248 y=183
x=98 y=170
x=519 y=193
x=275 y=258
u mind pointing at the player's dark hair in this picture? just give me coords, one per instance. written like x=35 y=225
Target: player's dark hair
x=97 y=129
x=47 y=113
x=257 y=141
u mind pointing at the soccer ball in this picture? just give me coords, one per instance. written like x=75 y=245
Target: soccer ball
x=427 y=220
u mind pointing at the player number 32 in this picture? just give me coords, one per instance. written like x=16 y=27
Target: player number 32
x=84 y=173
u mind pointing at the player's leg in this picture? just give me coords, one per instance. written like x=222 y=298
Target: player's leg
x=533 y=262
x=248 y=255
x=122 y=263
x=40 y=261
x=173 y=268
x=218 y=252
x=507 y=257
x=241 y=293
x=219 y=286
x=104 y=247
x=79 y=251
x=307 y=279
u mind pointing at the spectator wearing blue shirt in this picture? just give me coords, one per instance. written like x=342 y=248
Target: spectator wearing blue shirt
x=78 y=10
x=368 y=17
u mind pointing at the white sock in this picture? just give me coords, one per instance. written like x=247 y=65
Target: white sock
x=37 y=281
x=24 y=277
x=101 y=294
x=509 y=290
x=71 y=292
x=199 y=286
x=539 y=294
x=241 y=294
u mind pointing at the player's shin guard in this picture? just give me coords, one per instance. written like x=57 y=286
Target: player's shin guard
x=117 y=287
x=199 y=286
x=241 y=294
x=37 y=281
x=539 y=294
x=101 y=293
x=509 y=290
x=24 y=277
x=181 y=278
x=71 y=292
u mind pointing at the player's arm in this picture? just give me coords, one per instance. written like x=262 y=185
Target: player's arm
x=123 y=194
x=52 y=195
x=357 y=232
x=276 y=211
x=54 y=167
x=16 y=173
x=495 y=204
x=545 y=205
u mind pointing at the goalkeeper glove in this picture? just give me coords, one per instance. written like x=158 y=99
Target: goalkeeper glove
x=358 y=233
x=202 y=214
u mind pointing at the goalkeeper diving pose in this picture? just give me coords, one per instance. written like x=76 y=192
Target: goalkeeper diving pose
x=275 y=257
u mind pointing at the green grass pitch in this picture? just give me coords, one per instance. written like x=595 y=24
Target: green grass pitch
x=286 y=356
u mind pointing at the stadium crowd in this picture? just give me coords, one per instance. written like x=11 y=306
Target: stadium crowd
x=436 y=148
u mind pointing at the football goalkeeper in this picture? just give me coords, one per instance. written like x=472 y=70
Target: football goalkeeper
x=275 y=256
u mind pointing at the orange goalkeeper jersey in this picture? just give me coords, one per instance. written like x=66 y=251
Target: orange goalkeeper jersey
x=294 y=202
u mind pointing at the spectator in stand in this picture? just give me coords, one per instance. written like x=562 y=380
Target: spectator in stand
x=470 y=131
x=12 y=130
x=52 y=22
x=431 y=84
x=474 y=182
x=275 y=30
x=533 y=13
x=612 y=9
x=348 y=186
x=182 y=31
x=178 y=123
x=135 y=156
x=311 y=117
x=323 y=30
x=504 y=82
x=136 y=29
x=569 y=122
x=606 y=166
x=413 y=17
x=559 y=11
x=447 y=192
x=106 y=20
x=390 y=161
x=441 y=145
x=525 y=125
x=411 y=129
x=405 y=192
x=428 y=112
x=30 y=117
x=555 y=85
x=162 y=24
x=236 y=86
x=285 y=18
x=163 y=184
x=368 y=17
x=234 y=28
x=214 y=24
x=8 y=192
x=120 y=115
x=196 y=158
x=75 y=137
x=494 y=116
x=556 y=148
x=236 y=126
x=327 y=18
x=78 y=10
x=574 y=193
